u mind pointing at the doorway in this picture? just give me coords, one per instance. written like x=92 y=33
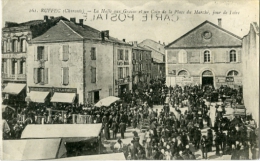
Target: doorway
x=207 y=81
x=96 y=96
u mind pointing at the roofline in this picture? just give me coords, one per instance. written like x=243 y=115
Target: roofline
x=167 y=46
x=151 y=40
x=199 y=47
x=155 y=50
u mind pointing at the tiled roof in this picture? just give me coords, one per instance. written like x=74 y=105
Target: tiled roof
x=70 y=31
x=140 y=48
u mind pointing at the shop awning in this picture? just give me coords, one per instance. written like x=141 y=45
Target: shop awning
x=68 y=132
x=32 y=149
x=63 y=97
x=14 y=88
x=36 y=96
x=112 y=156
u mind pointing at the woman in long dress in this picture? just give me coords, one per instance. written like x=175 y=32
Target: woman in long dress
x=107 y=133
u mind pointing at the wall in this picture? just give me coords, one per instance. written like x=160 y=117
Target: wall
x=195 y=65
x=251 y=71
x=54 y=65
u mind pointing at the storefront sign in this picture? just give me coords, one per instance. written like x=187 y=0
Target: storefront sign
x=229 y=79
x=186 y=79
x=53 y=89
x=222 y=80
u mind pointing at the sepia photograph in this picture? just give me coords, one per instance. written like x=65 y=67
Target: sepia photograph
x=130 y=80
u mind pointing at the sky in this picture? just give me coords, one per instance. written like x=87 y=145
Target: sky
x=148 y=20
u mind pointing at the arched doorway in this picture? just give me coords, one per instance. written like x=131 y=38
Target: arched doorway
x=207 y=78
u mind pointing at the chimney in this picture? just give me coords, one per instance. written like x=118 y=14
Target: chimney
x=159 y=42
x=163 y=43
x=73 y=20
x=219 y=22
x=135 y=43
x=51 y=17
x=123 y=40
x=45 y=18
x=81 y=22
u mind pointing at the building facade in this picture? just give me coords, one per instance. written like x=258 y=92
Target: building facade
x=73 y=63
x=142 y=66
x=158 y=57
x=206 y=55
x=15 y=39
x=250 y=64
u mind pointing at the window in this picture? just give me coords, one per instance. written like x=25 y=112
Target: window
x=8 y=45
x=65 y=52
x=14 y=45
x=141 y=55
x=93 y=75
x=206 y=56
x=182 y=56
x=183 y=73
x=133 y=55
x=127 y=71
x=23 y=45
x=22 y=67
x=4 y=46
x=14 y=67
x=4 y=66
x=126 y=55
x=120 y=72
x=65 y=76
x=120 y=54
x=40 y=53
x=93 y=53
x=40 y=75
x=233 y=56
x=232 y=73
x=140 y=67
x=110 y=91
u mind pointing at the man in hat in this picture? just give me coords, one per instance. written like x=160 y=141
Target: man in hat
x=122 y=128
x=114 y=128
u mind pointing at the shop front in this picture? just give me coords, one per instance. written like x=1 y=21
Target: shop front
x=14 y=94
x=123 y=86
x=52 y=95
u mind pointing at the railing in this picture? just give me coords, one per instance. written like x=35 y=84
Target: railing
x=14 y=76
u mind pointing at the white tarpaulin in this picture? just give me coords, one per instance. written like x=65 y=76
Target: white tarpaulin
x=32 y=149
x=14 y=88
x=107 y=101
x=68 y=132
x=37 y=96
x=63 y=97
x=112 y=156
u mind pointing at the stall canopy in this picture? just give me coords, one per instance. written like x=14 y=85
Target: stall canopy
x=68 y=132
x=63 y=97
x=14 y=88
x=107 y=101
x=36 y=96
x=33 y=149
x=112 y=156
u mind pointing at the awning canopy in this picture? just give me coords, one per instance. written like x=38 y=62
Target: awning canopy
x=68 y=132
x=107 y=101
x=37 y=96
x=112 y=156
x=63 y=97
x=32 y=149
x=14 y=88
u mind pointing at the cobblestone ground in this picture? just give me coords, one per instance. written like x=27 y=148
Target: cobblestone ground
x=198 y=154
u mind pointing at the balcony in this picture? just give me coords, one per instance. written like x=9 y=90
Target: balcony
x=14 y=77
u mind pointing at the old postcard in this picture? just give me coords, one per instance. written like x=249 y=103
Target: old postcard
x=130 y=80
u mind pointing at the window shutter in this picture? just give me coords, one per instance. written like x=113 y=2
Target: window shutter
x=24 y=64
x=61 y=75
x=118 y=54
x=227 y=57
x=46 y=75
x=238 y=56
x=5 y=67
x=46 y=52
x=201 y=57
x=90 y=97
x=91 y=54
x=212 y=57
x=35 y=75
x=65 y=76
x=35 y=53
x=65 y=52
x=61 y=53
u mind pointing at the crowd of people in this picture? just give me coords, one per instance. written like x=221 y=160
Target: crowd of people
x=169 y=134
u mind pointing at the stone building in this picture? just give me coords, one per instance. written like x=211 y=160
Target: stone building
x=250 y=64
x=142 y=65
x=74 y=63
x=15 y=39
x=206 y=55
x=158 y=57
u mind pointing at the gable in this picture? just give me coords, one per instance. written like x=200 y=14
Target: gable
x=206 y=35
x=59 y=32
